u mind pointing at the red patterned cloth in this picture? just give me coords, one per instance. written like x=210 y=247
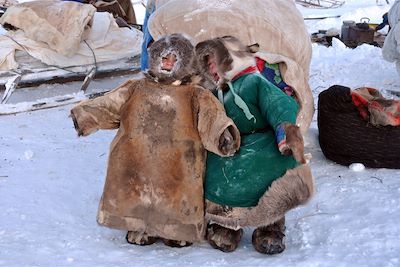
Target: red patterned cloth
x=375 y=108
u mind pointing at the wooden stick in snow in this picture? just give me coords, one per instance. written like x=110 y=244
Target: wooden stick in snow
x=88 y=79
x=10 y=87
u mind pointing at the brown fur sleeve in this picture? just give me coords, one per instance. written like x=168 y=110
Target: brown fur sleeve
x=212 y=122
x=101 y=112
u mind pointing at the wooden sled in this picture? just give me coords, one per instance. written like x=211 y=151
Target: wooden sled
x=32 y=73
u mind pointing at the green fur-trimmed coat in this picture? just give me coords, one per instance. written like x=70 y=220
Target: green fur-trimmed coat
x=241 y=180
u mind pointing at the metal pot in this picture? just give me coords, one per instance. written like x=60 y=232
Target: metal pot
x=363 y=24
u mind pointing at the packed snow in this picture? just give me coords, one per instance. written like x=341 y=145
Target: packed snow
x=51 y=182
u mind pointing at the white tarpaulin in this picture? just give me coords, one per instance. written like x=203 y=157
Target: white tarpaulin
x=391 y=47
x=95 y=31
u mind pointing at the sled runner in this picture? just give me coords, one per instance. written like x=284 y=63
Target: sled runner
x=33 y=73
x=37 y=73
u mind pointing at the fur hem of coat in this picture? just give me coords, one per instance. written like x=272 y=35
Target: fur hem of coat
x=171 y=229
x=295 y=188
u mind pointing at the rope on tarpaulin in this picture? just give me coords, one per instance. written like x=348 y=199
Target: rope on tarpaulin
x=54 y=66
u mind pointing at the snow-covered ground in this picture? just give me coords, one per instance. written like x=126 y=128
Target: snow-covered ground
x=51 y=182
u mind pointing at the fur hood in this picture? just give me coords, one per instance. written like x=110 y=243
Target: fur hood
x=182 y=49
x=231 y=58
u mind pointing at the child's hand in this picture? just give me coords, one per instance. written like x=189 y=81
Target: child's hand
x=76 y=126
x=227 y=144
x=293 y=144
x=294 y=141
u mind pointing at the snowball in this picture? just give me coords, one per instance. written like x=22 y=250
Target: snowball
x=357 y=167
x=28 y=154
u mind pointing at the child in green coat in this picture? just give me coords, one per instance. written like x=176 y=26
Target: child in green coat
x=252 y=188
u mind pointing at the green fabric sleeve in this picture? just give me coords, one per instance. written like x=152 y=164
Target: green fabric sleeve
x=275 y=106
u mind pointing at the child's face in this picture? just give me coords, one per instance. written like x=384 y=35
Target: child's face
x=212 y=67
x=168 y=62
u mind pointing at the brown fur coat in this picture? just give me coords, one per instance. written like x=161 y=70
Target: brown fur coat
x=154 y=181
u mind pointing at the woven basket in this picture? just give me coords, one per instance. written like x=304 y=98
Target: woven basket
x=346 y=138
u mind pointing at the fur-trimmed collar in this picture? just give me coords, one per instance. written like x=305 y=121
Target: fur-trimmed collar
x=170 y=80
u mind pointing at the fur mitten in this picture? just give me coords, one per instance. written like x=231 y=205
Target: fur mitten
x=290 y=141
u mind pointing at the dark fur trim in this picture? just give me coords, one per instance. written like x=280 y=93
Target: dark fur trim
x=295 y=188
x=151 y=76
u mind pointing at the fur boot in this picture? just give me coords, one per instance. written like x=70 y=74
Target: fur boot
x=269 y=239
x=142 y=239
x=176 y=243
x=224 y=239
